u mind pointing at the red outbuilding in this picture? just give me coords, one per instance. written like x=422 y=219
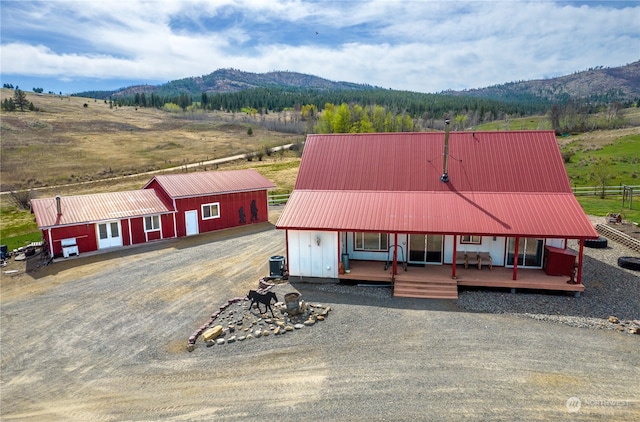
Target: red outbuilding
x=169 y=206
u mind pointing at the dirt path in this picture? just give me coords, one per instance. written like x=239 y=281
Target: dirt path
x=104 y=339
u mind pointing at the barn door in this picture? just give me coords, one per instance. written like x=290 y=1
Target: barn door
x=109 y=234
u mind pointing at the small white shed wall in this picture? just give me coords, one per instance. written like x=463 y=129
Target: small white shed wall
x=313 y=254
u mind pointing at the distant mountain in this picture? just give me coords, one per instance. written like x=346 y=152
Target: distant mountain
x=596 y=85
x=599 y=84
x=232 y=80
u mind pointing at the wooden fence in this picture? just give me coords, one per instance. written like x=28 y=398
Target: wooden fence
x=623 y=191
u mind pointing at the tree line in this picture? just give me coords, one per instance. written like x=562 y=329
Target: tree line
x=19 y=101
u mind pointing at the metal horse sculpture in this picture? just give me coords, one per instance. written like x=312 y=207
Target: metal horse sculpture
x=264 y=298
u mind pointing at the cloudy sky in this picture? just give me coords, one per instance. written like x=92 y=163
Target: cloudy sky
x=424 y=46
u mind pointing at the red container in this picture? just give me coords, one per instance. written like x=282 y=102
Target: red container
x=559 y=261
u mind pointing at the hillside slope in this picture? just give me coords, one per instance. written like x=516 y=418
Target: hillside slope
x=597 y=84
x=234 y=80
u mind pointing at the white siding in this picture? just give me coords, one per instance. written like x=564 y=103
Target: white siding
x=313 y=254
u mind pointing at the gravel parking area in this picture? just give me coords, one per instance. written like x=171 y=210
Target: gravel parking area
x=104 y=338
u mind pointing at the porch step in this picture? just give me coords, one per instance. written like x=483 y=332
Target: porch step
x=426 y=289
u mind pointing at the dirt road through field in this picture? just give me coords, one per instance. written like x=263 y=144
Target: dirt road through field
x=104 y=338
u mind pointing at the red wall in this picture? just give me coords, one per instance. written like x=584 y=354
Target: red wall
x=85 y=235
x=162 y=194
x=229 y=210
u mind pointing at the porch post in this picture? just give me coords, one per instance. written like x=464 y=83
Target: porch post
x=455 y=251
x=286 y=241
x=580 y=262
x=515 y=259
x=566 y=241
x=395 y=254
x=339 y=250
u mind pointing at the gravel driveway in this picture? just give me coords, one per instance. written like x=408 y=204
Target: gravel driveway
x=104 y=338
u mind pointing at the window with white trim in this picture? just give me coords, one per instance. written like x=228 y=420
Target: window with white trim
x=367 y=241
x=152 y=223
x=211 y=211
x=471 y=240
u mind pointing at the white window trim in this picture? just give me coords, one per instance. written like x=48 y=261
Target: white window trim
x=153 y=217
x=355 y=248
x=213 y=204
x=470 y=241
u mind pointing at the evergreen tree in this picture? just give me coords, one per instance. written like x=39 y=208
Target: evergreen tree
x=20 y=99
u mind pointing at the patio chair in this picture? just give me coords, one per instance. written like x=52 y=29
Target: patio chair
x=473 y=259
x=484 y=258
x=461 y=258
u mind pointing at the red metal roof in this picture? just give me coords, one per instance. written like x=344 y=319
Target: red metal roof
x=486 y=213
x=212 y=182
x=525 y=161
x=97 y=207
x=501 y=183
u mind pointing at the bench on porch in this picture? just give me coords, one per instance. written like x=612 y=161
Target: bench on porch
x=461 y=258
x=474 y=258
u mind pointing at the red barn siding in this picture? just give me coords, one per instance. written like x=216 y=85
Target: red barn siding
x=154 y=235
x=124 y=229
x=229 y=210
x=85 y=235
x=161 y=193
x=166 y=220
x=137 y=231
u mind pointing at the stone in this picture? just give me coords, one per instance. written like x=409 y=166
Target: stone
x=231 y=339
x=298 y=326
x=191 y=347
x=310 y=321
x=212 y=333
x=241 y=338
x=634 y=330
x=232 y=328
x=220 y=341
x=249 y=336
x=276 y=331
x=320 y=318
x=265 y=333
x=613 y=320
x=288 y=328
x=257 y=333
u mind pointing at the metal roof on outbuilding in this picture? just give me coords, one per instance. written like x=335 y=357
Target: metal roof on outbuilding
x=97 y=207
x=211 y=182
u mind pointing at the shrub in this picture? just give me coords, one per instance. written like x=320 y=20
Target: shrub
x=566 y=156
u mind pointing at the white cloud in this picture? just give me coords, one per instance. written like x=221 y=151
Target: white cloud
x=416 y=45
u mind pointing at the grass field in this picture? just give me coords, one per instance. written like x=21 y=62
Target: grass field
x=66 y=142
x=96 y=149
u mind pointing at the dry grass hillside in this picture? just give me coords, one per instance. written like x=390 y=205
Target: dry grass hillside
x=71 y=140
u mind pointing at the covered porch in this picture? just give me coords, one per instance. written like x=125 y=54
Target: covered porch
x=435 y=281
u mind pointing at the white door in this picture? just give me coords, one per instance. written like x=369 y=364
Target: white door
x=191 y=221
x=109 y=234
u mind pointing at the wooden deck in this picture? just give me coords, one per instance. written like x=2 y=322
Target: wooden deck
x=434 y=281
